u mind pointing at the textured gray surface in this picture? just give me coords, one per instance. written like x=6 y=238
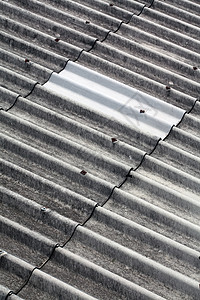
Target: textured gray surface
x=142 y=240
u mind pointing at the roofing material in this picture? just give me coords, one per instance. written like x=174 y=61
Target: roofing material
x=116 y=100
x=62 y=163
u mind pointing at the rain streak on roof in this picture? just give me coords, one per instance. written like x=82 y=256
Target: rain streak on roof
x=93 y=206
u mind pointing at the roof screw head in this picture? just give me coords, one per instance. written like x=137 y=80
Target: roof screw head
x=57 y=40
x=87 y=22
x=83 y=172
x=26 y=60
x=43 y=209
x=142 y=111
x=195 y=68
x=114 y=140
x=168 y=87
x=111 y=4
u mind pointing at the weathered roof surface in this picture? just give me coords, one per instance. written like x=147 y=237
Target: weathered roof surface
x=92 y=208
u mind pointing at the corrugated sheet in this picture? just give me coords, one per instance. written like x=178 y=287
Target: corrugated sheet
x=92 y=208
x=117 y=101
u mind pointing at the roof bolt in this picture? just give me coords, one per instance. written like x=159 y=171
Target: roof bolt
x=142 y=111
x=43 y=209
x=195 y=68
x=83 y=172
x=26 y=60
x=87 y=22
x=57 y=39
x=114 y=140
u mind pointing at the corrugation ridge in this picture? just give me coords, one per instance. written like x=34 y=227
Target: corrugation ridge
x=103 y=142
x=59 y=47
x=150 y=39
x=34 y=180
x=25 y=84
x=140 y=139
x=155 y=192
x=111 y=248
x=24 y=66
x=40 y=277
x=147 y=69
x=46 y=280
x=172 y=22
x=4 y=291
x=136 y=80
x=137 y=231
x=120 y=222
x=88 y=15
x=32 y=51
x=120 y=101
x=49 y=12
x=49 y=27
x=171 y=35
x=162 y=171
x=34 y=209
x=178 y=12
x=187 y=5
x=147 y=53
x=63 y=167
x=112 y=10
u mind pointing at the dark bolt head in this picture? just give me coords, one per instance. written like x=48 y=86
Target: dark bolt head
x=83 y=172
x=114 y=140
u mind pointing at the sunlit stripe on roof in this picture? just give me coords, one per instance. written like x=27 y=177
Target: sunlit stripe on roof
x=116 y=100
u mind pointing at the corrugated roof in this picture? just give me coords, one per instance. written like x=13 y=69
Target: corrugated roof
x=92 y=208
x=118 y=101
